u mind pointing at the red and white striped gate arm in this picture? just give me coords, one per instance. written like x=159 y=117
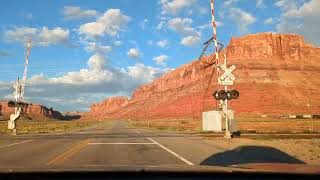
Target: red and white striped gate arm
x=214 y=26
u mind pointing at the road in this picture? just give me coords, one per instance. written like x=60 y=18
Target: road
x=117 y=144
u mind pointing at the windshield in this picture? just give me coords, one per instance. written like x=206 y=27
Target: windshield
x=159 y=83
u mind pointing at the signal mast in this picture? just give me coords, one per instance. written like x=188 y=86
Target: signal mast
x=224 y=79
x=19 y=86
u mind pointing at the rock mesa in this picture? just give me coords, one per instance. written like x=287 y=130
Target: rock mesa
x=276 y=74
x=34 y=110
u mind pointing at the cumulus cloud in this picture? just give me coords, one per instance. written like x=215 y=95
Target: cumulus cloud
x=75 y=12
x=163 y=43
x=102 y=77
x=161 y=60
x=85 y=86
x=117 y=43
x=268 y=21
x=190 y=41
x=183 y=27
x=228 y=3
x=143 y=73
x=302 y=19
x=94 y=47
x=110 y=23
x=242 y=19
x=41 y=37
x=260 y=4
x=134 y=53
x=175 y=6
x=97 y=62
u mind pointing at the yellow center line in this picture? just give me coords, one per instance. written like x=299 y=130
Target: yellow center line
x=69 y=153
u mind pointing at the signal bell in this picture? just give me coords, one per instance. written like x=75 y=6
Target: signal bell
x=223 y=94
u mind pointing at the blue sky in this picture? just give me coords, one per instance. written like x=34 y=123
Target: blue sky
x=85 y=51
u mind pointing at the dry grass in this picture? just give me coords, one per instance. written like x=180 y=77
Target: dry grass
x=45 y=126
x=251 y=123
x=246 y=123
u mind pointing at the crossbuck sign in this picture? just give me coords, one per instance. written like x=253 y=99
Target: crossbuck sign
x=227 y=77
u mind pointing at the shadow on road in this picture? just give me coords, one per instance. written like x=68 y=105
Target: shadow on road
x=250 y=154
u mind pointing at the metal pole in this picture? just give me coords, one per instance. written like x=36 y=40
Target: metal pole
x=19 y=94
x=310 y=113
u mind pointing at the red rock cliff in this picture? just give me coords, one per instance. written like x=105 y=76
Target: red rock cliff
x=275 y=75
x=32 y=109
x=110 y=105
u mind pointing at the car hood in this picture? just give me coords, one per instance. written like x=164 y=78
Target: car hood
x=243 y=168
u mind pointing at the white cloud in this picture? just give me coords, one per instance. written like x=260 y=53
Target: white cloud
x=163 y=43
x=117 y=43
x=242 y=19
x=143 y=73
x=97 y=62
x=190 y=41
x=260 y=4
x=161 y=60
x=268 y=21
x=110 y=23
x=286 y=4
x=144 y=23
x=300 y=18
x=75 y=12
x=85 y=86
x=183 y=26
x=41 y=37
x=175 y=6
x=160 y=26
x=228 y=3
x=94 y=47
x=134 y=53
x=150 y=42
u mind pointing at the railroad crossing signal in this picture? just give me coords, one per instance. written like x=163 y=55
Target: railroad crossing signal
x=226 y=95
x=227 y=77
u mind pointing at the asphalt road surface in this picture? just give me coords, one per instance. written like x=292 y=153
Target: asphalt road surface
x=117 y=144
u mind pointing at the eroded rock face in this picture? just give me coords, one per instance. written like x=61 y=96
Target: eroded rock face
x=109 y=105
x=32 y=109
x=276 y=73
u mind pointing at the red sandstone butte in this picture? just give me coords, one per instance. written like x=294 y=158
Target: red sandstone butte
x=35 y=110
x=275 y=74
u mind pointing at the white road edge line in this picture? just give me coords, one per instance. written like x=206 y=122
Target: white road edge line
x=8 y=145
x=173 y=153
x=137 y=132
x=118 y=143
